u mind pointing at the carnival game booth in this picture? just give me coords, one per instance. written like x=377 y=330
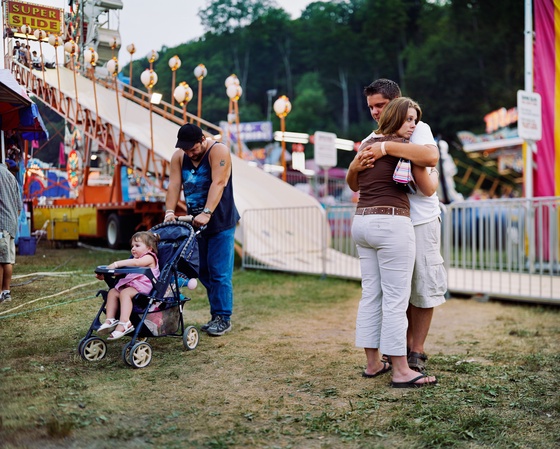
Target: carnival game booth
x=20 y=123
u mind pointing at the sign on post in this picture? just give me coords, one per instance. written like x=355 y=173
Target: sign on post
x=250 y=131
x=40 y=17
x=325 y=154
x=529 y=122
x=325 y=149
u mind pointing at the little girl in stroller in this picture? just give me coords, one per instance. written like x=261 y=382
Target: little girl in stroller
x=157 y=311
x=144 y=253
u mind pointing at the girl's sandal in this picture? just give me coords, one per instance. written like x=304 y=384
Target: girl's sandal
x=128 y=328
x=108 y=326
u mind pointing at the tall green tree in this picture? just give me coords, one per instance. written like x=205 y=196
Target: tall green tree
x=271 y=38
x=459 y=58
x=382 y=28
x=232 y=17
x=310 y=97
x=226 y=16
x=329 y=47
x=470 y=62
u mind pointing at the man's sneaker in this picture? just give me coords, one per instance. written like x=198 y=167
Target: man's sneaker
x=219 y=327
x=6 y=296
x=205 y=327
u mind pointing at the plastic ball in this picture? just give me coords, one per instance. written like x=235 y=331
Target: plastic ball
x=191 y=285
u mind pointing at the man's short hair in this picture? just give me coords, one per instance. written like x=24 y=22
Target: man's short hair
x=387 y=88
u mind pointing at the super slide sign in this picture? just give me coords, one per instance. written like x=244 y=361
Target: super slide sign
x=38 y=17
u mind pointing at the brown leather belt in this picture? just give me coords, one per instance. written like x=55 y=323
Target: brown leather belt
x=382 y=210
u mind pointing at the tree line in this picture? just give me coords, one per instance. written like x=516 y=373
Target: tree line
x=460 y=59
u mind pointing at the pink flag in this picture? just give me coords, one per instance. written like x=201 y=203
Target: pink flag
x=547 y=84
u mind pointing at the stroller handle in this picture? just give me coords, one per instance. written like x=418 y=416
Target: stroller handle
x=185 y=218
x=189 y=219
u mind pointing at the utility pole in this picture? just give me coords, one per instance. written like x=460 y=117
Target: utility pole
x=270 y=93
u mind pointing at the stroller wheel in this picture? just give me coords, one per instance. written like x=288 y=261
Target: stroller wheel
x=126 y=354
x=81 y=344
x=190 y=338
x=140 y=355
x=93 y=349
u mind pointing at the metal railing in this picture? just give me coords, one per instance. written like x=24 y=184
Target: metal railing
x=309 y=240
x=327 y=190
x=506 y=249
x=292 y=240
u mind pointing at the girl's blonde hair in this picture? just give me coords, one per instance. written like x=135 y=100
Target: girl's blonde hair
x=394 y=115
x=147 y=238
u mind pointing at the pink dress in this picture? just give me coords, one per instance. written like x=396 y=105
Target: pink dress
x=139 y=282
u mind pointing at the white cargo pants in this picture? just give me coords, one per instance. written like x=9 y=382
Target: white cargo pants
x=386 y=246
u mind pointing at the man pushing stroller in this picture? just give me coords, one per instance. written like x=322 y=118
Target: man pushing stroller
x=203 y=167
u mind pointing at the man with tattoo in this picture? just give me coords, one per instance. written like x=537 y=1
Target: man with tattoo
x=202 y=167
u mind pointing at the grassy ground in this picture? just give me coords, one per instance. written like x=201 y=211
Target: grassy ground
x=287 y=376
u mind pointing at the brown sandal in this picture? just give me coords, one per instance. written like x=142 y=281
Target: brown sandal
x=387 y=358
x=417 y=361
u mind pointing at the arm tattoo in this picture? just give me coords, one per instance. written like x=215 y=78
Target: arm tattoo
x=222 y=163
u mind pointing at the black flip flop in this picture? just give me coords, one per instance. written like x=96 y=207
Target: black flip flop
x=386 y=368
x=412 y=383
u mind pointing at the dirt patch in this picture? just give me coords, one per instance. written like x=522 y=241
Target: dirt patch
x=476 y=328
x=460 y=327
x=468 y=327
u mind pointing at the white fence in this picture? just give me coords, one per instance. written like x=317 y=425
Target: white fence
x=504 y=248
x=497 y=248
x=298 y=240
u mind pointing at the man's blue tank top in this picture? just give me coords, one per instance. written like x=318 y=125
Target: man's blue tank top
x=196 y=184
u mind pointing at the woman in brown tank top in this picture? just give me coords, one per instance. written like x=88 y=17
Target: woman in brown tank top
x=385 y=241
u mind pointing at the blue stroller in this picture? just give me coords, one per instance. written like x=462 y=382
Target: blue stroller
x=159 y=314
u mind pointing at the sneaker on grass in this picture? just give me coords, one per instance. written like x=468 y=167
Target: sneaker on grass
x=205 y=327
x=219 y=327
x=5 y=296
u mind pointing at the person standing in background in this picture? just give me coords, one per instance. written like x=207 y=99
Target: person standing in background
x=15 y=51
x=11 y=206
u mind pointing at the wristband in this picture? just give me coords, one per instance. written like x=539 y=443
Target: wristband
x=169 y=211
x=116 y=265
x=383 y=150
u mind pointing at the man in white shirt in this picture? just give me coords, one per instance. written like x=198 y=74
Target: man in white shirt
x=429 y=281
